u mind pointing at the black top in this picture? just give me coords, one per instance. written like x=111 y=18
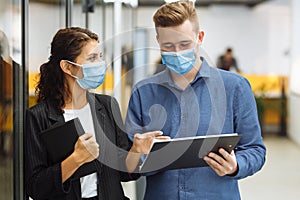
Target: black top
x=43 y=179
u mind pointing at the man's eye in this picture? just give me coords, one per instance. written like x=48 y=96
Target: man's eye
x=168 y=46
x=185 y=44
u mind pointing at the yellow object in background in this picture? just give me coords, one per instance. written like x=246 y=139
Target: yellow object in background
x=269 y=88
x=33 y=79
x=267 y=85
x=106 y=86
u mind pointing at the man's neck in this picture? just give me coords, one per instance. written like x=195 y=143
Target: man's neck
x=184 y=80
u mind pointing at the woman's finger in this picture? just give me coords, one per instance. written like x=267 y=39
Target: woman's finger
x=85 y=136
x=162 y=137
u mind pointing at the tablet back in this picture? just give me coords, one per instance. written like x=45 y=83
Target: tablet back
x=186 y=152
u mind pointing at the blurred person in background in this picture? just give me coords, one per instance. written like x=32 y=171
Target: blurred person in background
x=227 y=61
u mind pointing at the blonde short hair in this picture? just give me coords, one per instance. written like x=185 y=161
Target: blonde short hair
x=175 y=14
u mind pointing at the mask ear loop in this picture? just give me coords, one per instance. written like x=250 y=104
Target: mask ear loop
x=76 y=65
x=196 y=48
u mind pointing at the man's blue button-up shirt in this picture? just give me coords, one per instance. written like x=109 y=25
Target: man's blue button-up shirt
x=216 y=102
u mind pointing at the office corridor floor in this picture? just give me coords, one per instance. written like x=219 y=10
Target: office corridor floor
x=280 y=177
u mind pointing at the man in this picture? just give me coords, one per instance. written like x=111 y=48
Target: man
x=227 y=61
x=192 y=98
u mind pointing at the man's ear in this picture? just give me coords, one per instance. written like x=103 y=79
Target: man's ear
x=65 y=66
x=201 y=36
x=157 y=38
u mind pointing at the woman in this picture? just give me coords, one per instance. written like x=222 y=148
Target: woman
x=76 y=65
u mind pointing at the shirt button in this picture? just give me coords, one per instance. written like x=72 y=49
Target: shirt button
x=181 y=187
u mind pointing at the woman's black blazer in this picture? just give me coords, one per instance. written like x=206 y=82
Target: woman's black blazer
x=43 y=178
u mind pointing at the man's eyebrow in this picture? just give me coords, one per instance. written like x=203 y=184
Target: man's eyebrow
x=164 y=43
x=186 y=41
x=177 y=42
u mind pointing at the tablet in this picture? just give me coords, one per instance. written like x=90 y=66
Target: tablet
x=186 y=152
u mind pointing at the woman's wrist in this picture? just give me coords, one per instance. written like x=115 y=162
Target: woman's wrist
x=76 y=159
x=69 y=166
x=133 y=159
x=135 y=149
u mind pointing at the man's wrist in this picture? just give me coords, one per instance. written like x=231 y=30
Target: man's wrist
x=234 y=173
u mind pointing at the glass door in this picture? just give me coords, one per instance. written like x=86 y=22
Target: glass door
x=12 y=98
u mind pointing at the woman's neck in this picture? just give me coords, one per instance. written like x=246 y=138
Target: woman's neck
x=77 y=100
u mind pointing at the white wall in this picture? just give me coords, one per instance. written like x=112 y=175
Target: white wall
x=294 y=98
x=44 y=21
x=260 y=37
x=294 y=125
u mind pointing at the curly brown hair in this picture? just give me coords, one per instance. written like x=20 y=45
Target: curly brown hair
x=67 y=44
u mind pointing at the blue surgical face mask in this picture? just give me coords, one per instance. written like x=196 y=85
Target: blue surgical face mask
x=179 y=62
x=93 y=74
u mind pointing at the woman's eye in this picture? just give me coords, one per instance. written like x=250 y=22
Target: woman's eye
x=95 y=57
x=92 y=58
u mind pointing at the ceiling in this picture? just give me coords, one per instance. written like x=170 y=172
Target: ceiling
x=156 y=3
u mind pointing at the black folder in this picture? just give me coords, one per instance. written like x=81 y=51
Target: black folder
x=186 y=152
x=60 y=140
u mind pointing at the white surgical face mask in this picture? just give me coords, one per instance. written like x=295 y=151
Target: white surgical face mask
x=93 y=74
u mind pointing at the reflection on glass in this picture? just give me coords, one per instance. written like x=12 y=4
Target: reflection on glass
x=6 y=118
x=10 y=57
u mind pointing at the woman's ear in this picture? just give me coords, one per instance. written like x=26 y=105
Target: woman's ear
x=65 y=66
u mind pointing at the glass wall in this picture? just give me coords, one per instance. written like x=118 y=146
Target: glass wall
x=12 y=98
